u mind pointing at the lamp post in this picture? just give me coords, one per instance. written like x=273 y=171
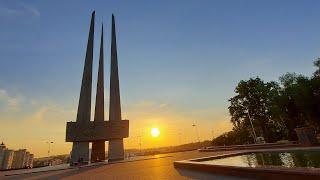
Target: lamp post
x=180 y=134
x=197 y=132
x=139 y=143
x=212 y=134
x=253 y=131
x=49 y=142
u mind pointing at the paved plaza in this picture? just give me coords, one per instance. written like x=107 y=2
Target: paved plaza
x=152 y=167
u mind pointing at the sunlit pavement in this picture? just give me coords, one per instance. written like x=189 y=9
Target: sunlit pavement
x=149 y=167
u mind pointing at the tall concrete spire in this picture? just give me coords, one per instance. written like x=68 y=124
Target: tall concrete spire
x=80 y=150
x=115 y=106
x=116 y=150
x=98 y=147
x=99 y=109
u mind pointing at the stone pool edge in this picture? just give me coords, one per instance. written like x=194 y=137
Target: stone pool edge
x=248 y=172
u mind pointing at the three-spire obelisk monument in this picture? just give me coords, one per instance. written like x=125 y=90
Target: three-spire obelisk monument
x=84 y=131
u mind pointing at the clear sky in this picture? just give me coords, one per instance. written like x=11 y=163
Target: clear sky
x=179 y=62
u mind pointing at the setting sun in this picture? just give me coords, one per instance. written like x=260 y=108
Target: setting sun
x=155 y=132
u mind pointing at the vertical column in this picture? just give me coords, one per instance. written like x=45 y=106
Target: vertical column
x=98 y=147
x=116 y=150
x=80 y=150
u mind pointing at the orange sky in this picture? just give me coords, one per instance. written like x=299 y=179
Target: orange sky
x=32 y=129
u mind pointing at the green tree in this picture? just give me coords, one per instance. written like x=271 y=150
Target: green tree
x=315 y=109
x=275 y=110
x=315 y=84
x=253 y=100
x=317 y=64
x=236 y=136
x=297 y=102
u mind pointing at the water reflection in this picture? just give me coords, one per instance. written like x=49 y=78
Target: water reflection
x=284 y=159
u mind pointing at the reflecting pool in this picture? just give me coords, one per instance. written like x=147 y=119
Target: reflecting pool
x=303 y=158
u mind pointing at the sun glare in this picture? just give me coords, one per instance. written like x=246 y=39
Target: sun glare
x=155 y=132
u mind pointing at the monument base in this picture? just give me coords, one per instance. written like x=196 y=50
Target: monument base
x=79 y=153
x=98 y=151
x=116 y=150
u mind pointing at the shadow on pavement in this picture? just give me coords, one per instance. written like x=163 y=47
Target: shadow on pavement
x=58 y=174
x=202 y=175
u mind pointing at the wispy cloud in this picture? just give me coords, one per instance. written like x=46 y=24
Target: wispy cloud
x=32 y=10
x=9 y=102
x=9 y=12
x=22 y=117
x=19 y=10
x=148 y=103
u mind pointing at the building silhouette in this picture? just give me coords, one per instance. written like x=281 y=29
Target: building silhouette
x=10 y=159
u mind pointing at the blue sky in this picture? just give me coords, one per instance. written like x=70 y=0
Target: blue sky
x=179 y=60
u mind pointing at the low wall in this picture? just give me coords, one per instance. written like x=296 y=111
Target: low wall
x=249 y=146
x=274 y=172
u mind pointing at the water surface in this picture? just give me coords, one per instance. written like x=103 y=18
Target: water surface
x=310 y=159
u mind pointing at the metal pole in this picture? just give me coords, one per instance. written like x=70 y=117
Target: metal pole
x=254 y=132
x=180 y=134
x=140 y=143
x=48 y=142
x=212 y=134
x=48 y=149
x=197 y=133
x=48 y=152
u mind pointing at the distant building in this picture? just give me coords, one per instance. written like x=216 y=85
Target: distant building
x=26 y=160
x=55 y=161
x=19 y=158
x=7 y=159
x=2 y=148
x=30 y=162
x=10 y=159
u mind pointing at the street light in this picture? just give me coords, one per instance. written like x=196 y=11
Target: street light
x=197 y=132
x=180 y=134
x=139 y=136
x=212 y=134
x=253 y=131
x=49 y=142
